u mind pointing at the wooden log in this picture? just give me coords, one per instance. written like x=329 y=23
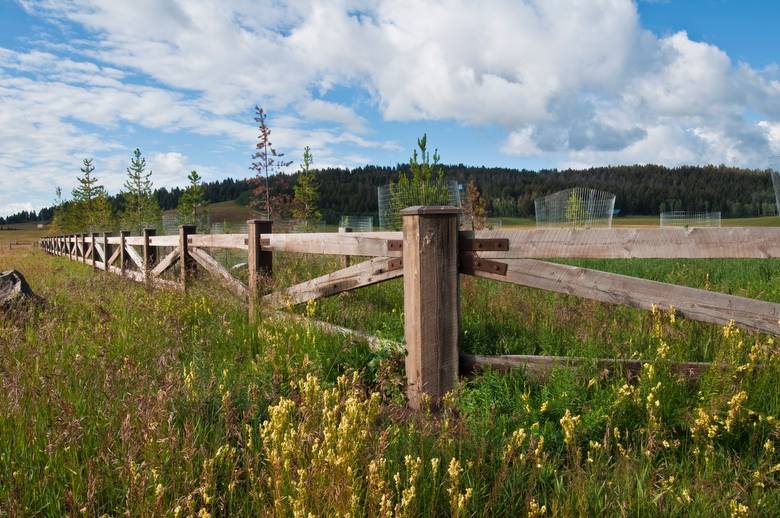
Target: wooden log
x=373 y=271
x=625 y=243
x=136 y=258
x=692 y=303
x=164 y=241
x=149 y=252
x=345 y=259
x=539 y=368
x=259 y=261
x=166 y=262
x=187 y=264
x=431 y=302
x=234 y=241
x=123 y=252
x=368 y=244
x=212 y=266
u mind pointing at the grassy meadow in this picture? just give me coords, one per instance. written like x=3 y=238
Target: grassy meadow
x=118 y=400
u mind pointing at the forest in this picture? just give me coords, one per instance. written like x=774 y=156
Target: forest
x=640 y=190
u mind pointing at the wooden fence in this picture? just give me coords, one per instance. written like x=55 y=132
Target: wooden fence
x=430 y=253
x=21 y=244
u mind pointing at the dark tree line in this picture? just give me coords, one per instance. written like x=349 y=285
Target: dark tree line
x=640 y=190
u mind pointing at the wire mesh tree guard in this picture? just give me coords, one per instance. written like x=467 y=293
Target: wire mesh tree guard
x=684 y=218
x=393 y=199
x=357 y=223
x=578 y=207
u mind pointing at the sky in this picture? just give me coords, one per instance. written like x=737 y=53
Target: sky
x=514 y=83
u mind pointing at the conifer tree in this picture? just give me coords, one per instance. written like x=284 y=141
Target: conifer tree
x=264 y=160
x=89 y=210
x=192 y=204
x=306 y=193
x=141 y=208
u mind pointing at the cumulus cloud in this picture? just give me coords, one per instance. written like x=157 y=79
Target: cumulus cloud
x=581 y=83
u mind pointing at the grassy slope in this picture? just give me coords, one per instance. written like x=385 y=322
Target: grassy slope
x=118 y=400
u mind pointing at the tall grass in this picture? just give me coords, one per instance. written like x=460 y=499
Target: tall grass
x=117 y=400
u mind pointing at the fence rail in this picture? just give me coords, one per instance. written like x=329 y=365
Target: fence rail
x=429 y=254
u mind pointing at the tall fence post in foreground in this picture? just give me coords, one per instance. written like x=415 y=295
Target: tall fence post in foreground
x=186 y=262
x=150 y=252
x=123 y=251
x=259 y=261
x=106 y=250
x=93 y=251
x=345 y=259
x=431 y=301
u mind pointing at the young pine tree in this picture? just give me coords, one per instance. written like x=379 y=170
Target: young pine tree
x=307 y=195
x=141 y=208
x=90 y=209
x=264 y=160
x=474 y=208
x=192 y=204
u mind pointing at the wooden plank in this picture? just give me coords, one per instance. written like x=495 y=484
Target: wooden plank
x=114 y=240
x=625 y=243
x=539 y=368
x=164 y=241
x=236 y=241
x=114 y=257
x=692 y=303
x=368 y=244
x=369 y=272
x=134 y=240
x=186 y=262
x=166 y=262
x=212 y=266
x=101 y=252
x=133 y=254
x=431 y=302
x=374 y=342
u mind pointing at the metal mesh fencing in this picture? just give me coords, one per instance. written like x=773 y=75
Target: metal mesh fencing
x=682 y=218
x=577 y=207
x=395 y=197
x=774 y=172
x=357 y=223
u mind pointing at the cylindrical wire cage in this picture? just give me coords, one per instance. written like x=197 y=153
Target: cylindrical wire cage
x=683 y=218
x=357 y=223
x=576 y=207
x=393 y=198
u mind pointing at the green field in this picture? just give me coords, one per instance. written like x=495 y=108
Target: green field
x=117 y=400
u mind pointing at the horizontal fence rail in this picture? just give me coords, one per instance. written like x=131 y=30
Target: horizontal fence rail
x=429 y=254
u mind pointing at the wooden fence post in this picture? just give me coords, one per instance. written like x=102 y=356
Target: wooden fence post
x=345 y=259
x=431 y=302
x=259 y=262
x=106 y=251
x=72 y=247
x=123 y=251
x=93 y=253
x=83 y=238
x=150 y=253
x=186 y=262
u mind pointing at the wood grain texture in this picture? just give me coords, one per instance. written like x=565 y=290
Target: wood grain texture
x=133 y=254
x=212 y=266
x=692 y=303
x=538 y=369
x=643 y=243
x=370 y=272
x=368 y=244
x=431 y=303
x=167 y=262
x=165 y=241
x=234 y=241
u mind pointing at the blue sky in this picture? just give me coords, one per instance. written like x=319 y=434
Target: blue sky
x=526 y=84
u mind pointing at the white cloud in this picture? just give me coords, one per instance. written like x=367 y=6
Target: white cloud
x=577 y=82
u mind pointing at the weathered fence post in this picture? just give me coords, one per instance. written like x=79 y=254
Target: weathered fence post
x=73 y=246
x=123 y=251
x=259 y=261
x=150 y=253
x=93 y=252
x=431 y=301
x=106 y=251
x=186 y=262
x=345 y=259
